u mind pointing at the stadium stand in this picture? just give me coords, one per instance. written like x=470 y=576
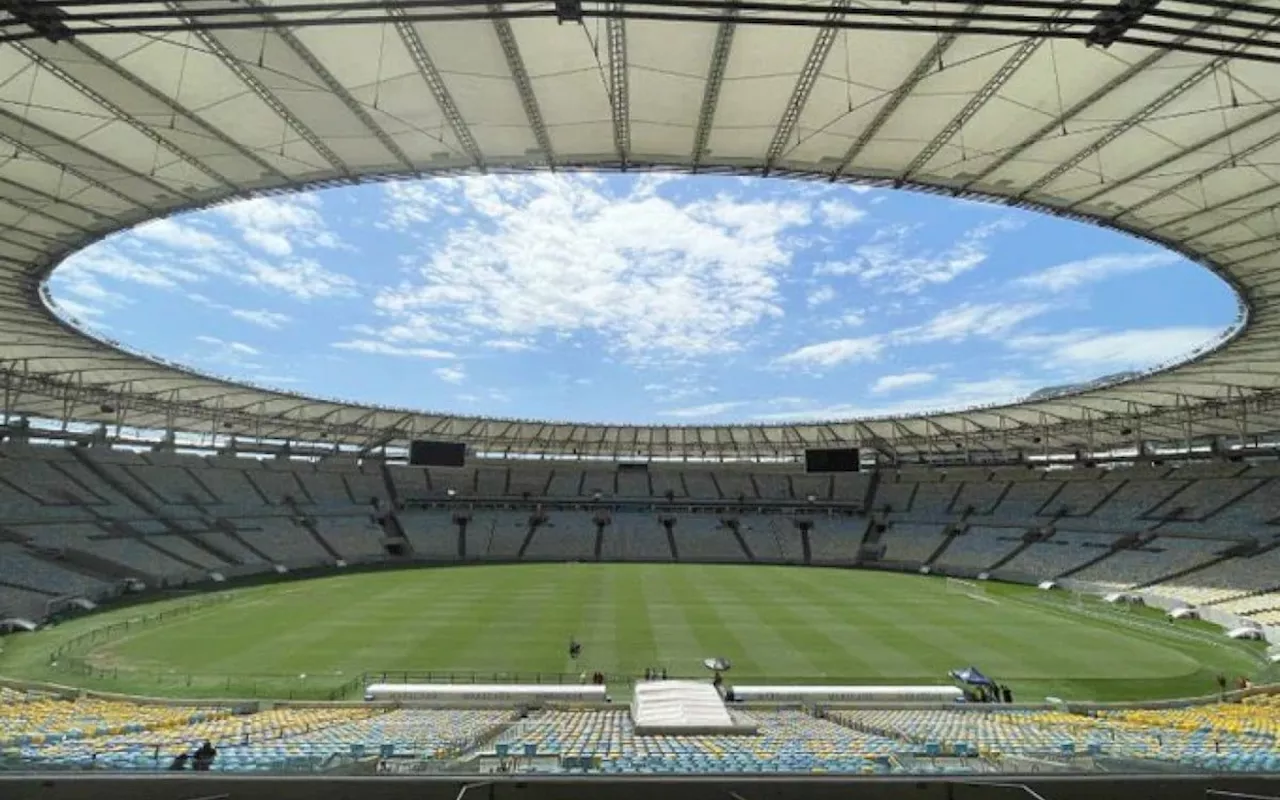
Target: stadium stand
x=42 y=729
x=834 y=540
x=788 y=741
x=563 y=536
x=911 y=543
x=434 y=534
x=1226 y=580
x=702 y=537
x=979 y=548
x=83 y=520
x=637 y=536
x=1065 y=551
x=1148 y=562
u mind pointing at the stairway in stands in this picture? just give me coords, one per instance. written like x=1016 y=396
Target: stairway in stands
x=136 y=497
x=1124 y=544
x=1028 y=538
x=952 y=532
x=528 y=540
x=742 y=543
x=308 y=524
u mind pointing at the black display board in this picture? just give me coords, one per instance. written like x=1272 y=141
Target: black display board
x=423 y=453
x=832 y=460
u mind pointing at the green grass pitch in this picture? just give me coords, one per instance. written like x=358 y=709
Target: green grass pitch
x=776 y=624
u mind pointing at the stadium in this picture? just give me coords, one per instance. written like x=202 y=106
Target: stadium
x=1073 y=594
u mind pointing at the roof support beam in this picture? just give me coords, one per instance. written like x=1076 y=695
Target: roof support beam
x=427 y=69
x=1257 y=212
x=931 y=60
x=1230 y=201
x=180 y=110
x=264 y=94
x=619 y=92
x=1129 y=123
x=55 y=202
x=809 y=73
x=331 y=83
x=1228 y=162
x=1060 y=121
x=119 y=113
x=975 y=104
x=524 y=86
x=1225 y=133
x=711 y=89
x=62 y=141
x=36 y=212
x=72 y=171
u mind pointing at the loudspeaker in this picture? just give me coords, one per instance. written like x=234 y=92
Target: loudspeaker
x=423 y=453
x=846 y=459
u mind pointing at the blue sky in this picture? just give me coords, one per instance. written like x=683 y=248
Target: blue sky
x=648 y=298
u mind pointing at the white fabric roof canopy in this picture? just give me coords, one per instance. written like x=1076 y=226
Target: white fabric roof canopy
x=108 y=130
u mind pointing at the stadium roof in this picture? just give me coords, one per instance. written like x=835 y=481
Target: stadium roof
x=1160 y=120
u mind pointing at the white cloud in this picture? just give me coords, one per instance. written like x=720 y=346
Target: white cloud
x=1095 y=352
x=105 y=261
x=823 y=294
x=1092 y=270
x=232 y=347
x=303 y=279
x=260 y=317
x=278 y=225
x=837 y=214
x=453 y=375
x=177 y=235
x=962 y=394
x=679 y=389
x=833 y=353
x=81 y=312
x=380 y=348
x=971 y=319
x=906 y=380
x=708 y=410
x=889 y=263
x=558 y=254
x=509 y=345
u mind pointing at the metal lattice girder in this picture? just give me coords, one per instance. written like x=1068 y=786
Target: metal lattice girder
x=822 y=43
x=524 y=86
x=229 y=60
x=439 y=91
x=931 y=61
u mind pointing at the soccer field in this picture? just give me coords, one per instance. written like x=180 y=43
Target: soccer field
x=784 y=624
